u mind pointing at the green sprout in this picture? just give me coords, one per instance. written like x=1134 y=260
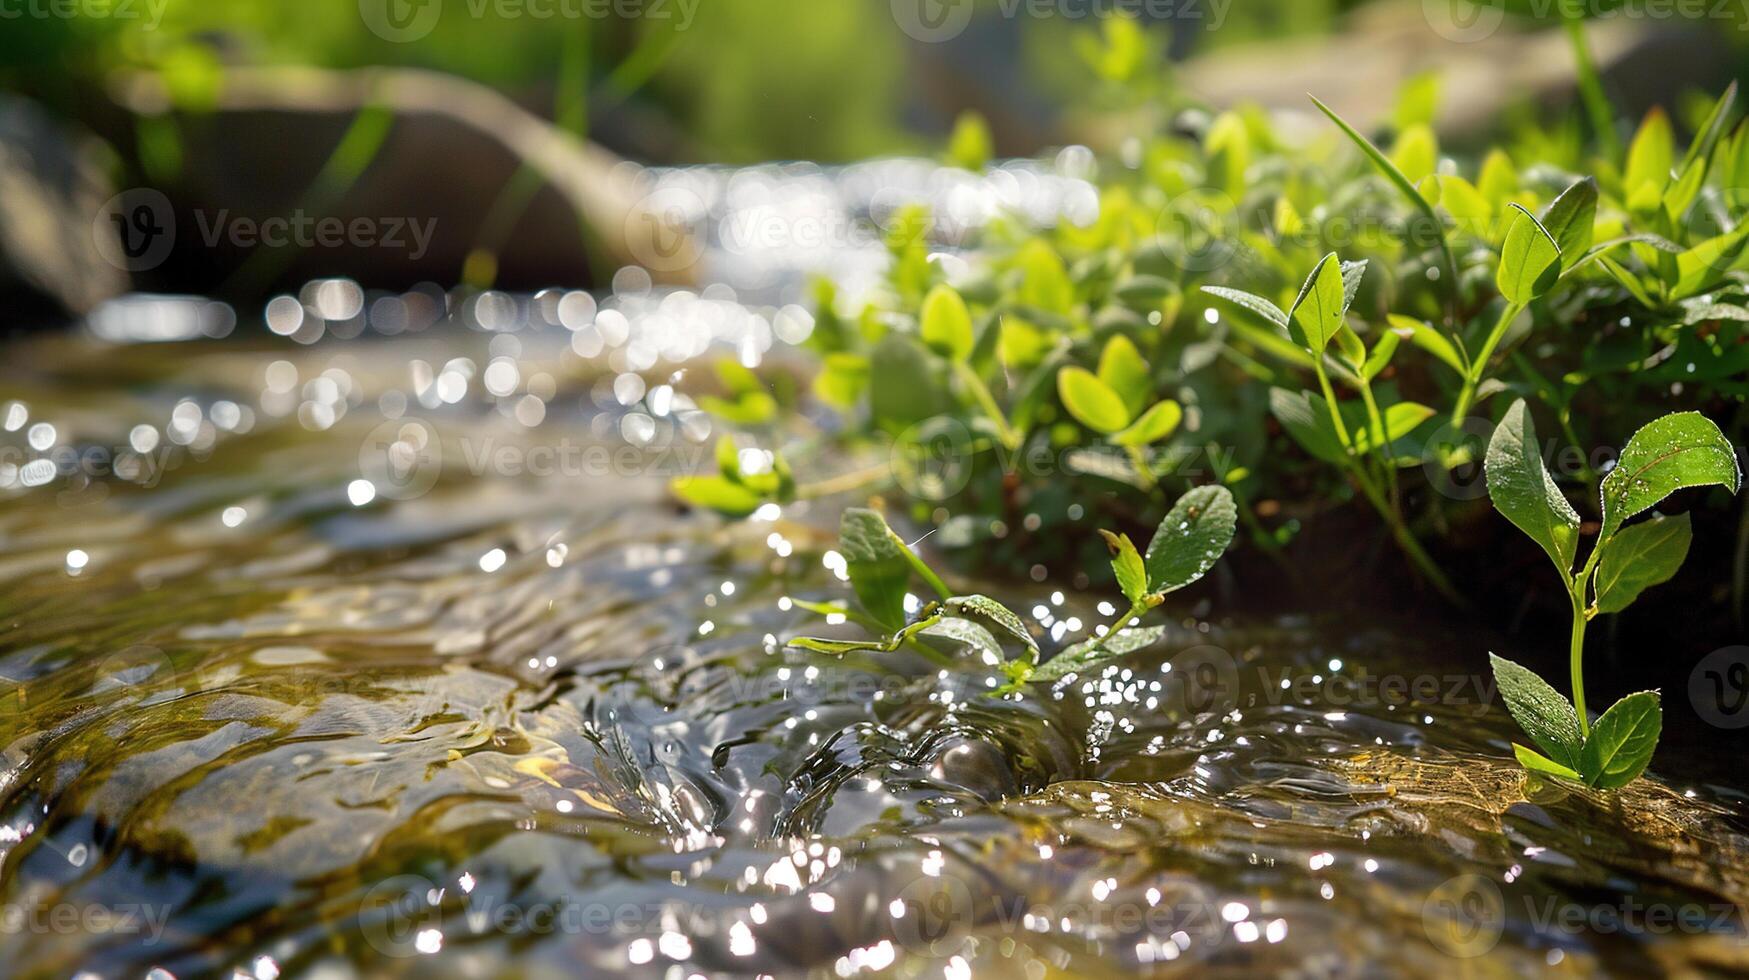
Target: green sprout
x=1675 y=452
x=881 y=567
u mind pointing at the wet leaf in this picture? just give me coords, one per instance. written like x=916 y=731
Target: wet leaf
x=995 y=612
x=1089 y=654
x=1544 y=714
x=1250 y=301
x=1537 y=762
x=876 y=562
x=1622 y=741
x=1675 y=452
x=1303 y=415
x=966 y=632
x=1525 y=493
x=1191 y=538
x=1640 y=557
x=1317 y=313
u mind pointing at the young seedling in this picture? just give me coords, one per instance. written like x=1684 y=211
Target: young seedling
x=1112 y=403
x=1188 y=542
x=1365 y=451
x=1674 y=452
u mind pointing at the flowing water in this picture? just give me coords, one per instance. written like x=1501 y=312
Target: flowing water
x=392 y=656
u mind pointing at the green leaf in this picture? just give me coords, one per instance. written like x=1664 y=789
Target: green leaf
x=1498 y=180
x=1691 y=174
x=1628 y=281
x=1640 y=557
x=1044 y=282
x=1706 y=263
x=904 y=387
x=1529 y=260
x=946 y=324
x=737 y=379
x=1379 y=160
x=876 y=561
x=970 y=147
x=1303 y=415
x=987 y=608
x=1126 y=562
x=1400 y=420
x=1155 y=424
x=752 y=408
x=1417 y=101
x=1422 y=335
x=1537 y=762
x=1352 y=275
x=967 y=632
x=1546 y=716
x=1677 y=451
x=1091 y=400
x=717 y=493
x=1123 y=370
x=1622 y=741
x=838 y=648
x=1317 y=313
x=1572 y=220
x=1351 y=347
x=1651 y=154
x=1088 y=654
x=1380 y=357
x=1416 y=152
x=1021 y=345
x=1250 y=301
x=1463 y=202
x=1525 y=493
x=842 y=380
x=1191 y=538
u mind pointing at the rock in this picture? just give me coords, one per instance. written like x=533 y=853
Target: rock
x=465 y=185
x=52 y=188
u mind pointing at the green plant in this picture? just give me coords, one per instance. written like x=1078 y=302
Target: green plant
x=880 y=566
x=1672 y=453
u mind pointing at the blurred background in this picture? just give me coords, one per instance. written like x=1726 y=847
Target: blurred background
x=492 y=143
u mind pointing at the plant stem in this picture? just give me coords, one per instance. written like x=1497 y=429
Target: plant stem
x=1410 y=547
x=1480 y=365
x=1330 y=401
x=1136 y=610
x=1139 y=460
x=1381 y=442
x=987 y=402
x=1576 y=663
x=854 y=480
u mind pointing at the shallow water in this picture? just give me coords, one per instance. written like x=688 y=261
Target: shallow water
x=256 y=719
